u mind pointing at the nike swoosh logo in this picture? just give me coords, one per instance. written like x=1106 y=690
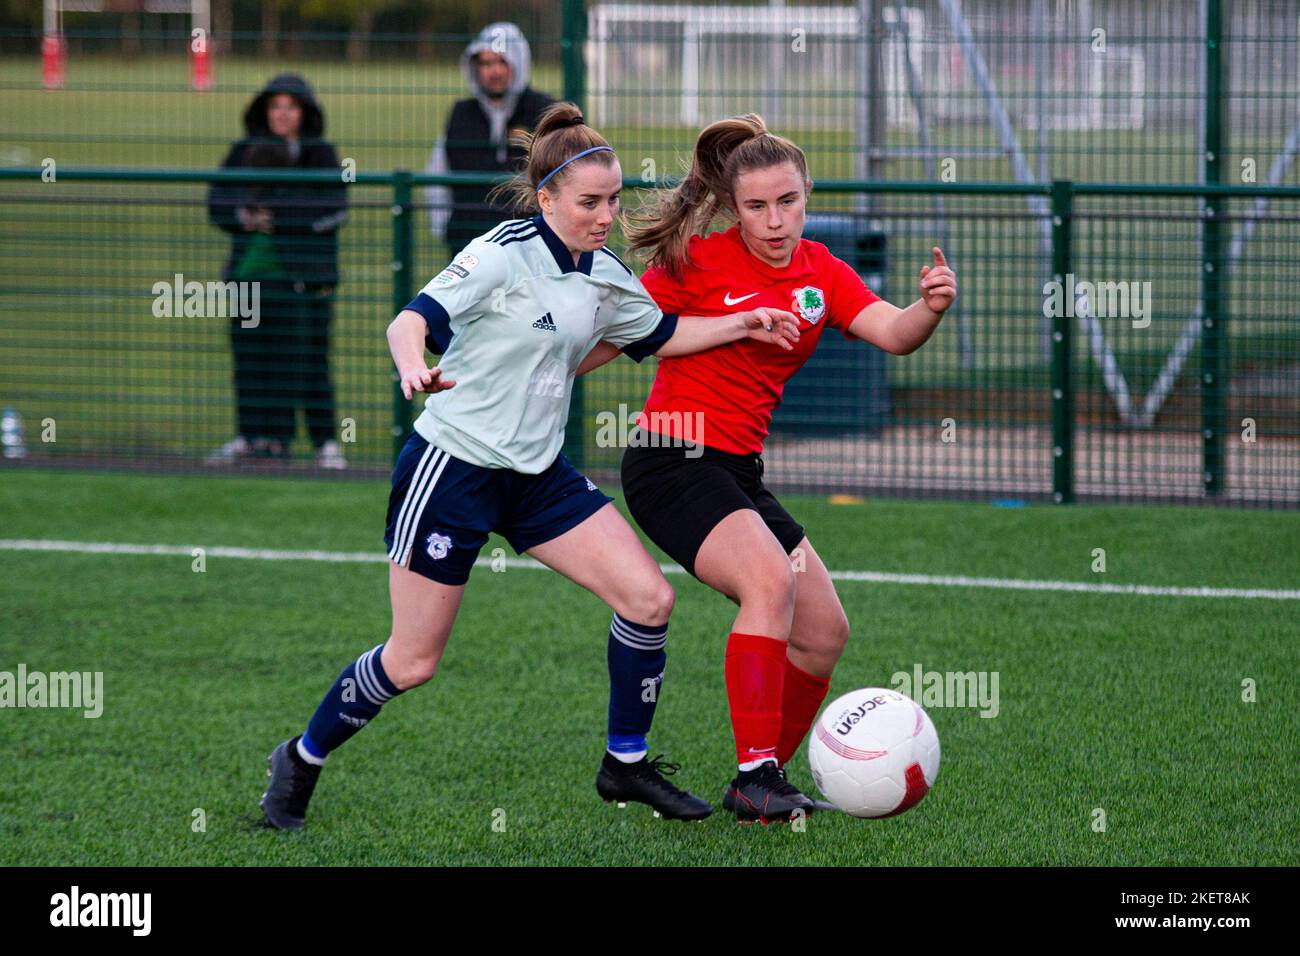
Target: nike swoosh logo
x=727 y=299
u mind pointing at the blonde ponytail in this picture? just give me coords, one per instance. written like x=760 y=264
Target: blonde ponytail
x=662 y=228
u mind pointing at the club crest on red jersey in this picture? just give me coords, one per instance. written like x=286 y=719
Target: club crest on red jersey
x=809 y=302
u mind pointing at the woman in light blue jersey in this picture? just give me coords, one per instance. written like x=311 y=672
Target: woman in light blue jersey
x=517 y=314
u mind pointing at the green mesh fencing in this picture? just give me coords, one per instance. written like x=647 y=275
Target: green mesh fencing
x=122 y=332
x=1004 y=132
x=1110 y=368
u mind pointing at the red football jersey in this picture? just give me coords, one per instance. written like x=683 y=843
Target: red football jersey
x=734 y=388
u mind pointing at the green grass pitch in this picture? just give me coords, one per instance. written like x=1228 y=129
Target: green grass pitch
x=1128 y=704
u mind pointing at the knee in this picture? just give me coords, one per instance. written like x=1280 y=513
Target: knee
x=407 y=672
x=839 y=631
x=653 y=604
x=771 y=590
x=414 y=673
x=823 y=634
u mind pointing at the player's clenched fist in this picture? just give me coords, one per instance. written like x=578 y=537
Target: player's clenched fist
x=424 y=380
x=773 y=325
x=938 y=284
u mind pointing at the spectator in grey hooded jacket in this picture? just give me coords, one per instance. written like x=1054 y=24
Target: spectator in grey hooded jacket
x=497 y=67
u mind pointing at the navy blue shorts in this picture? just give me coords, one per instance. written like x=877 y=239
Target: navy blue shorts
x=441 y=509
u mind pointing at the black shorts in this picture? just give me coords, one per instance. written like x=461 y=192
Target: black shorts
x=678 y=500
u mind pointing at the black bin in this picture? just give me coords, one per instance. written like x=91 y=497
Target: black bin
x=843 y=388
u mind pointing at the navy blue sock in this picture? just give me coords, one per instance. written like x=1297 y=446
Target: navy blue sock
x=351 y=703
x=636 y=673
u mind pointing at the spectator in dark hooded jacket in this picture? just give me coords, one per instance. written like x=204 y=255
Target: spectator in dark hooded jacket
x=497 y=67
x=284 y=236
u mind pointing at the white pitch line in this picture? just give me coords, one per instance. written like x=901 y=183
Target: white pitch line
x=872 y=577
x=255 y=554
x=1019 y=584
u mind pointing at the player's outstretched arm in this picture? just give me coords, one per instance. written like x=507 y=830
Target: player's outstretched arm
x=698 y=334
x=602 y=353
x=903 y=331
x=406 y=343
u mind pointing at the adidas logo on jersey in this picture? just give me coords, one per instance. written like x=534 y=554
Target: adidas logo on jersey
x=545 y=323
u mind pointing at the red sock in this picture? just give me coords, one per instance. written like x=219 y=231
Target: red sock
x=802 y=695
x=755 y=669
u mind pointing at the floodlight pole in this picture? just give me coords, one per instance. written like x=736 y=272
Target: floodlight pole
x=965 y=344
x=1039 y=34
x=869 y=105
x=772 y=108
x=1038 y=205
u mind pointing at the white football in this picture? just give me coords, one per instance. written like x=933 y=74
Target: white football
x=874 y=752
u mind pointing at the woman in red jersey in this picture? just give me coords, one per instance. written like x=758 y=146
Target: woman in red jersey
x=693 y=479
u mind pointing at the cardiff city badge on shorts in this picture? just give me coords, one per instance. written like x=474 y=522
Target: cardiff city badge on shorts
x=809 y=302
x=460 y=267
x=438 y=545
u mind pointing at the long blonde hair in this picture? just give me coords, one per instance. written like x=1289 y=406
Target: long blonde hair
x=561 y=134
x=662 y=228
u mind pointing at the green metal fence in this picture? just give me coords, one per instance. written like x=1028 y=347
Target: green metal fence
x=1114 y=181
x=1171 y=370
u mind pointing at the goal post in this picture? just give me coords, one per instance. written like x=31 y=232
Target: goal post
x=54 y=49
x=704 y=62
x=54 y=44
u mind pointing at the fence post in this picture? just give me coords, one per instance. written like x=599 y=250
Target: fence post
x=1062 y=390
x=401 y=265
x=1213 y=409
x=573 y=50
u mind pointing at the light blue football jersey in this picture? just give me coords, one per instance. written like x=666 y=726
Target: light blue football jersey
x=514 y=317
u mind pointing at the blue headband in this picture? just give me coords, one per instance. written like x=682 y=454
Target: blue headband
x=594 y=149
